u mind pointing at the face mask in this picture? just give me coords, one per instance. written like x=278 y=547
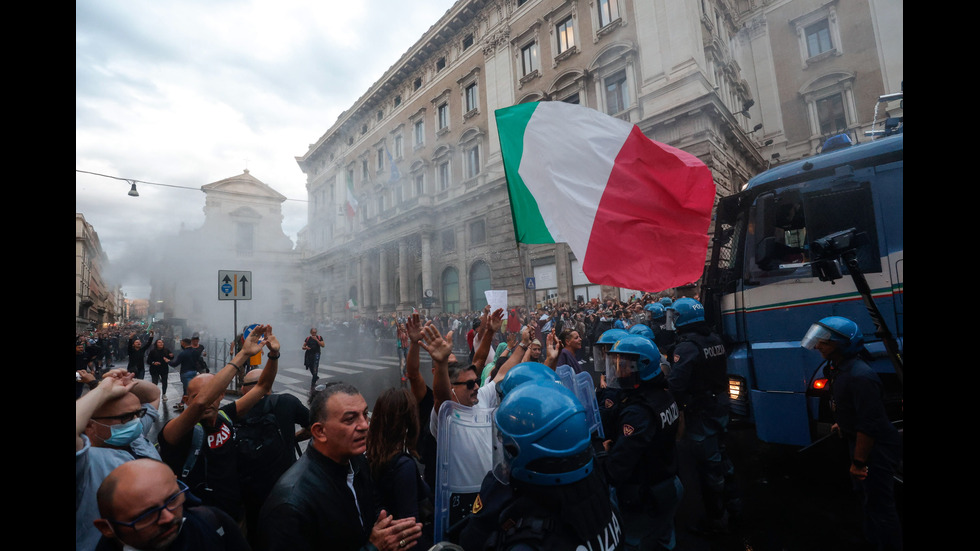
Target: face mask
x=124 y=434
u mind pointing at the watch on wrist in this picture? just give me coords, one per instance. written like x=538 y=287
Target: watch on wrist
x=274 y=355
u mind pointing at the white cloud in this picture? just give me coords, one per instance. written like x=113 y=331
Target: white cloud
x=186 y=93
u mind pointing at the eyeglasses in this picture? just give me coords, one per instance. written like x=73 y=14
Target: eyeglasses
x=469 y=384
x=125 y=417
x=152 y=516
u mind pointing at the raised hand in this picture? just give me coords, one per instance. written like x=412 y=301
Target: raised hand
x=438 y=347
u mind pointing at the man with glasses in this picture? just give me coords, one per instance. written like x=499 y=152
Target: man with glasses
x=267 y=445
x=111 y=424
x=142 y=505
x=199 y=444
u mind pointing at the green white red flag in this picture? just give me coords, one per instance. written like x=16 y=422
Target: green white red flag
x=635 y=212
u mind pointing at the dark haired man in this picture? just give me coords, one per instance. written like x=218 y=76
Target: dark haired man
x=326 y=499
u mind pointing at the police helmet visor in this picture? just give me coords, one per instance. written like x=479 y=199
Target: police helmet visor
x=622 y=371
x=816 y=334
x=503 y=455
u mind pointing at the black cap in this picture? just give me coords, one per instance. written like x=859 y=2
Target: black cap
x=476 y=323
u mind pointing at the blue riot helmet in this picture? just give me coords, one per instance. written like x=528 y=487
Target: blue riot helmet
x=657 y=311
x=526 y=372
x=631 y=360
x=666 y=301
x=686 y=311
x=602 y=345
x=542 y=436
x=842 y=331
x=642 y=330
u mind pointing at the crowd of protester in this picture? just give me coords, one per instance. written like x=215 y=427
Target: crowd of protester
x=220 y=474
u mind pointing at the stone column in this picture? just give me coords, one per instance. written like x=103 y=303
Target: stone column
x=383 y=278
x=426 y=261
x=404 y=281
x=364 y=284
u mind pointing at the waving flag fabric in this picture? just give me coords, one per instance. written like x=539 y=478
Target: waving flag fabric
x=635 y=212
x=351 y=200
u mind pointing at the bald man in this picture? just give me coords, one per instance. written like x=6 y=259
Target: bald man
x=142 y=505
x=112 y=422
x=212 y=474
x=267 y=439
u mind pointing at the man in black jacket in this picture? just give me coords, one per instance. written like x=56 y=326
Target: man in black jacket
x=326 y=499
x=143 y=506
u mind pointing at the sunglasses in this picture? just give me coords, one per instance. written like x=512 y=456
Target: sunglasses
x=469 y=384
x=126 y=417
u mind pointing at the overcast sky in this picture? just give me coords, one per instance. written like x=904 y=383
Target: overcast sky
x=185 y=93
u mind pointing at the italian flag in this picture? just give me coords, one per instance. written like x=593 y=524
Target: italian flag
x=351 y=303
x=351 y=200
x=634 y=212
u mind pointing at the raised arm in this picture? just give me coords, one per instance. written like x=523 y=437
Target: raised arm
x=266 y=379
x=488 y=328
x=439 y=349
x=413 y=328
x=517 y=356
x=174 y=430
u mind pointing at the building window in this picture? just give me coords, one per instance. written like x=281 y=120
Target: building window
x=529 y=58
x=566 y=35
x=350 y=140
x=818 y=33
x=399 y=147
x=363 y=129
x=364 y=169
x=441 y=64
x=449 y=240
x=473 y=161
x=417 y=84
x=398 y=100
x=467 y=41
x=419 y=133
x=818 y=38
x=419 y=185
x=381 y=114
x=608 y=12
x=478 y=232
x=472 y=102
x=572 y=99
x=444 y=175
x=617 y=97
x=442 y=115
x=831 y=114
x=450 y=291
x=381 y=160
x=479 y=284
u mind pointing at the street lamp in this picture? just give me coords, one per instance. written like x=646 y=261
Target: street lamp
x=132 y=190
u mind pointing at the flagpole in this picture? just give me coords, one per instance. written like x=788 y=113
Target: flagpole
x=520 y=260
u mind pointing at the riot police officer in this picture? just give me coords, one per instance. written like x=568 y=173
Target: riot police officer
x=699 y=382
x=640 y=461
x=662 y=336
x=544 y=492
x=874 y=443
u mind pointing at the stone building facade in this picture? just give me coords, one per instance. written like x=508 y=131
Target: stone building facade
x=416 y=159
x=95 y=299
x=242 y=231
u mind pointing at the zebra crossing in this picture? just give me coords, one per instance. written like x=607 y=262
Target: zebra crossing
x=296 y=380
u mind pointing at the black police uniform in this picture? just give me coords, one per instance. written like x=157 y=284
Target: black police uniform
x=641 y=465
x=519 y=517
x=699 y=382
x=856 y=399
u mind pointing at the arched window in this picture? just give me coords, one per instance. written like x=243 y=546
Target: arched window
x=450 y=290
x=479 y=282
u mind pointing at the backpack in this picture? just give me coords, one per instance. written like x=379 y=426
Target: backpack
x=260 y=443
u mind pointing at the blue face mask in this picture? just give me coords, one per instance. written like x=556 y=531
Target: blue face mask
x=124 y=434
